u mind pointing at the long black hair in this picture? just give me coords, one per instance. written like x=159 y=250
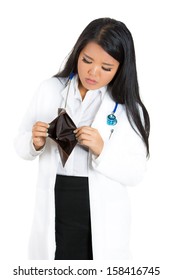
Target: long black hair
x=115 y=38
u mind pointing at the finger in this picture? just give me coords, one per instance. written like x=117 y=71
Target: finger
x=81 y=128
x=40 y=134
x=85 y=130
x=84 y=136
x=94 y=147
x=84 y=142
x=39 y=129
x=43 y=124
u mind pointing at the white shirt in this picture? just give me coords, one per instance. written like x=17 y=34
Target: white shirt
x=82 y=113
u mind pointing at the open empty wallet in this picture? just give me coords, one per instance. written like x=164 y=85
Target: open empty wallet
x=61 y=131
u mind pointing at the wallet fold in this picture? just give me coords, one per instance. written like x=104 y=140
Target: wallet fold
x=61 y=131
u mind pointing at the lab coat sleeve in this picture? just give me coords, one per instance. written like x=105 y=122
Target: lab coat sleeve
x=23 y=141
x=123 y=157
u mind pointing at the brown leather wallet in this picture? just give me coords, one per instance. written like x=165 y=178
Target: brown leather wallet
x=61 y=131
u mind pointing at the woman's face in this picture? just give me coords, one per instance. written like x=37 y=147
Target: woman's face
x=96 y=68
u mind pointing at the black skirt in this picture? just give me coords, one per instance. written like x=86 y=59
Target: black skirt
x=72 y=219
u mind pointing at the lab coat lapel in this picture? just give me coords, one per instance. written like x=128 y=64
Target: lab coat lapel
x=100 y=121
x=67 y=95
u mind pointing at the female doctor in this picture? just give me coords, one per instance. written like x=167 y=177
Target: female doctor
x=82 y=209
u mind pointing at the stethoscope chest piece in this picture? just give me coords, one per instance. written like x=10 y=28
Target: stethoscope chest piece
x=111 y=119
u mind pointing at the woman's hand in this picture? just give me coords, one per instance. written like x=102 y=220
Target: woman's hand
x=90 y=137
x=39 y=134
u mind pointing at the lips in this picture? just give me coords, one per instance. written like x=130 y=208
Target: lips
x=90 y=81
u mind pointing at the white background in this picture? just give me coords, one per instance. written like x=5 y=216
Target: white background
x=35 y=37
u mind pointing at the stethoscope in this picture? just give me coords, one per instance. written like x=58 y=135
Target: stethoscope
x=111 y=118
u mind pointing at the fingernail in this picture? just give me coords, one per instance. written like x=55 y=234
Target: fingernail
x=74 y=131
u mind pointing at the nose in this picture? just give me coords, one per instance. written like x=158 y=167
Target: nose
x=93 y=71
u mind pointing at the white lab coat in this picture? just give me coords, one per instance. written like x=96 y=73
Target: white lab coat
x=122 y=163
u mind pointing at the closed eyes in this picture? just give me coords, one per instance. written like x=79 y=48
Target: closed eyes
x=86 y=60
x=89 y=62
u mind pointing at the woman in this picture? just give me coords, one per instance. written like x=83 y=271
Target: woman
x=82 y=208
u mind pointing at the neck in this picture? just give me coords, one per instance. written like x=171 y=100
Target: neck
x=82 y=90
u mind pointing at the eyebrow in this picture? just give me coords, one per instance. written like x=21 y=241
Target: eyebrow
x=108 y=64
